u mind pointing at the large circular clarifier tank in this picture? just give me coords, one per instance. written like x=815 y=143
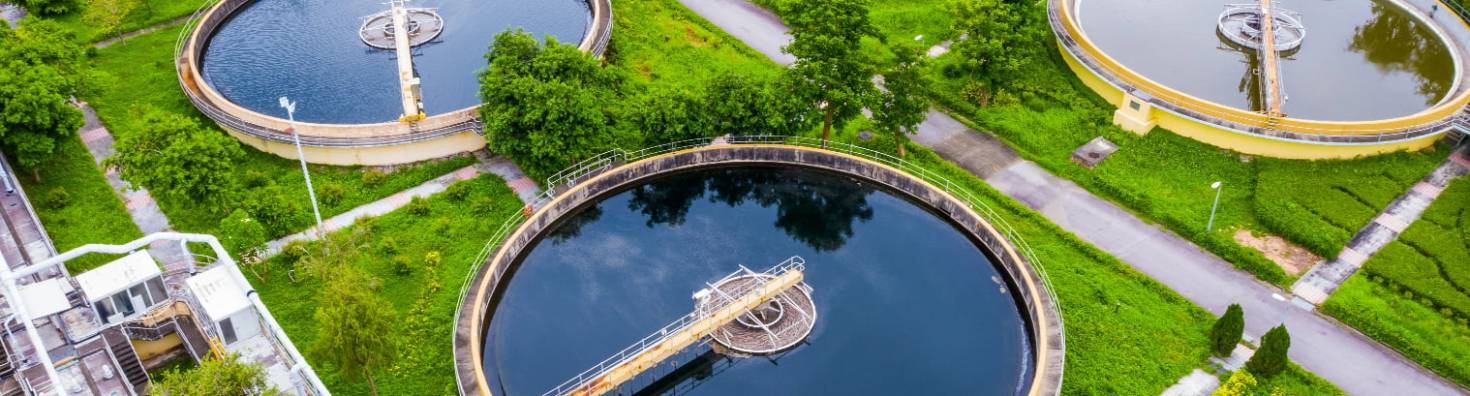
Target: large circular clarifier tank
x=1360 y=61
x=908 y=303
x=311 y=52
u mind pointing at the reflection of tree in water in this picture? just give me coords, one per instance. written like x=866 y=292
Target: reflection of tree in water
x=665 y=203
x=572 y=226
x=1396 y=42
x=813 y=208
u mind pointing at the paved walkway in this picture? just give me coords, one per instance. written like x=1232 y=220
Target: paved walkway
x=150 y=29
x=1325 y=278
x=500 y=166
x=1354 y=362
x=140 y=204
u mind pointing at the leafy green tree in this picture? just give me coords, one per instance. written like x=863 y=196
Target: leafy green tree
x=274 y=208
x=545 y=106
x=995 y=41
x=215 y=377
x=741 y=105
x=108 y=15
x=832 y=70
x=901 y=105
x=1227 y=331
x=173 y=155
x=242 y=235
x=1271 y=358
x=40 y=71
x=52 y=7
x=1240 y=383
x=670 y=114
x=356 y=327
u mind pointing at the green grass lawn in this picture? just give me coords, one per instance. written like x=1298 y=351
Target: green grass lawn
x=140 y=72
x=1414 y=295
x=424 y=300
x=161 y=11
x=92 y=212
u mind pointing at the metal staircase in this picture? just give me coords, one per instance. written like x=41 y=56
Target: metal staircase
x=127 y=358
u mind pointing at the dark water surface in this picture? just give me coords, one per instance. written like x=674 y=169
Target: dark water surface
x=1361 y=59
x=906 y=303
x=309 y=50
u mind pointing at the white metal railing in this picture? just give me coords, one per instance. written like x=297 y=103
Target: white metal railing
x=795 y=263
x=607 y=160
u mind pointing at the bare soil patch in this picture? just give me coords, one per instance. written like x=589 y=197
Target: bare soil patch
x=1290 y=257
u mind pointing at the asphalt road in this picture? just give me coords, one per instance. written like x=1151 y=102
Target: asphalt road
x=1339 y=354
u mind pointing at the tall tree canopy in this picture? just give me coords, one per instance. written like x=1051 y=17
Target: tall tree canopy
x=995 y=45
x=901 y=105
x=832 y=70
x=1225 y=335
x=215 y=377
x=173 y=155
x=1270 y=359
x=356 y=333
x=40 y=71
x=52 y=7
x=545 y=106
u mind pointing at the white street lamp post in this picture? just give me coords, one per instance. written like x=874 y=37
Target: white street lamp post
x=1218 y=187
x=310 y=192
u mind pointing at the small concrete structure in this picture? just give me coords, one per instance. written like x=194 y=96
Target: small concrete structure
x=1094 y=152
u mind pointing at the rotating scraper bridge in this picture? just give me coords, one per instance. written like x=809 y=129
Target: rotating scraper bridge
x=746 y=313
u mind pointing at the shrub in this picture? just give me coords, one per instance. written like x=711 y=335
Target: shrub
x=402 y=265
x=372 y=178
x=388 y=246
x=442 y=225
x=274 y=208
x=57 y=198
x=331 y=193
x=242 y=235
x=457 y=191
x=1270 y=359
x=1227 y=330
x=294 y=251
x=432 y=259
x=1241 y=383
x=255 y=179
x=418 y=206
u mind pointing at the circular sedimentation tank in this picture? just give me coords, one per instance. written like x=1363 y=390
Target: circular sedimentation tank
x=335 y=61
x=916 y=293
x=1356 y=78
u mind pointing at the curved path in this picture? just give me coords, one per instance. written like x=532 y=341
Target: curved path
x=1339 y=354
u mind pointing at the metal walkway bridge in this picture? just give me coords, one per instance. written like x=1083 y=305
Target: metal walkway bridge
x=775 y=304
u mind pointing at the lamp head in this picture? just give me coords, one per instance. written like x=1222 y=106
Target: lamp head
x=288 y=105
x=1215 y=186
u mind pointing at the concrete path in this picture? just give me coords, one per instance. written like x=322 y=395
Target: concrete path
x=150 y=29
x=140 y=204
x=1343 y=356
x=500 y=166
x=1325 y=278
x=1197 y=383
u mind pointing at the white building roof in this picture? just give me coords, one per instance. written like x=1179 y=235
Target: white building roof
x=118 y=275
x=219 y=293
x=45 y=297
